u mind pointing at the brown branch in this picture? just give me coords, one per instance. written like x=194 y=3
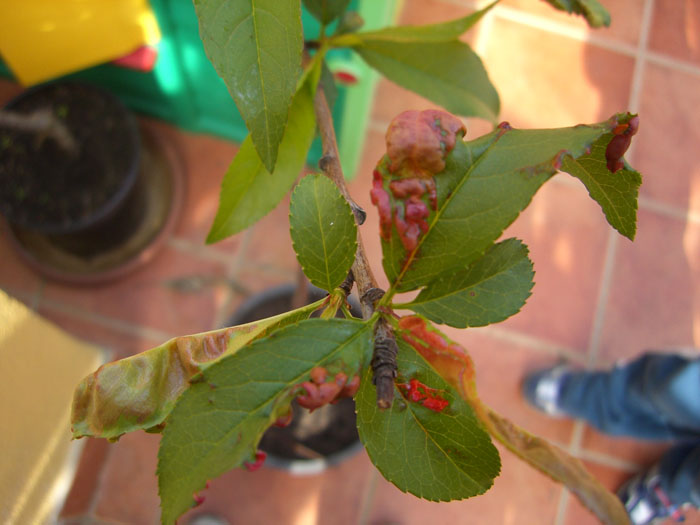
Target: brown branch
x=330 y=165
x=384 y=355
x=44 y=123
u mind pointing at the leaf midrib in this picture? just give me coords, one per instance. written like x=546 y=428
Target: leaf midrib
x=461 y=290
x=258 y=52
x=437 y=445
x=440 y=211
x=266 y=402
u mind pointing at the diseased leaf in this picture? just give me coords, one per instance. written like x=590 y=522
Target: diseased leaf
x=429 y=443
x=441 y=213
x=139 y=392
x=249 y=190
x=323 y=230
x=453 y=364
x=447 y=73
x=490 y=290
x=255 y=47
x=594 y=12
x=325 y=11
x=217 y=423
x=617 y=192
x=558 y=465
x=442 y=32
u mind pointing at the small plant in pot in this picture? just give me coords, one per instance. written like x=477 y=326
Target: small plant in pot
x=84 y=192
x=443 y=199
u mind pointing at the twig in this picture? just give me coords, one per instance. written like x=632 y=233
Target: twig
x=384 y=357
x=43 y=122
x=330 y=165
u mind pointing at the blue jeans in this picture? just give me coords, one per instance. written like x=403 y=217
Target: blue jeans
x=657 y=397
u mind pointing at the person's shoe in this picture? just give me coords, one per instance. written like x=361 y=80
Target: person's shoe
x=542 y=389
x=645 y=500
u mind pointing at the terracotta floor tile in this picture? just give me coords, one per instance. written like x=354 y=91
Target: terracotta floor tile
x=420 y=12
x=675 y=29
x=567 y=235
x=128 y=491
x=15 y=276
x=507 y=502
x=547 y=80
x=117 y=343
x=654 y=300
x=666 y=150
x=147 y=299
x=270 y=242
x=635 y=451
x=500 y=368
x=84 y=488
x=625 y=15
x=274 y=496
x=207 y=159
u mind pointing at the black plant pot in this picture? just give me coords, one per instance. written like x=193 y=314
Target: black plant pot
x=85 y=214
x=314 y=440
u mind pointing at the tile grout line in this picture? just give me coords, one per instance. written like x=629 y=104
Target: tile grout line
x=107 y=322
x=583 y=35
x=368 y=497
x=562 y=506
x=575 y=446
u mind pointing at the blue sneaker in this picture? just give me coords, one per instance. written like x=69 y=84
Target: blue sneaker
x=645 y=500
x=542 y=389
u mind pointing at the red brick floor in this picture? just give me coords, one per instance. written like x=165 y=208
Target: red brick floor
x=598 y=297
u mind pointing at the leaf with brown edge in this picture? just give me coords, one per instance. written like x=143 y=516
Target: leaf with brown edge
x=139 y=392
x=557 y=464
x=453 y=363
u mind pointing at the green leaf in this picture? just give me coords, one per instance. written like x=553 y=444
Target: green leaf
x=325 y=11
x=596 y=15
x=249 y=190
x=492 y=289
x=217 y=423
x=452 y=363
x=447 y=73
x=139 y=392
x=323 y=230
x=483 y=187
x=442 y=32
x=255 y=47
x=439 y=456
x=616 y=193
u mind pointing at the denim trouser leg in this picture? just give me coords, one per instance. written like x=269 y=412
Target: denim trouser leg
x=679 y=471
x=656 y=396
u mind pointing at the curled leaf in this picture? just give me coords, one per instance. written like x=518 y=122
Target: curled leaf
x=217 y=423
x=139 y=392
x=433 y=227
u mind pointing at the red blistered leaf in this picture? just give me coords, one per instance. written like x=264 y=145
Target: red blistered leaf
x=447 y=357
x=260 y=457
x=417 y=142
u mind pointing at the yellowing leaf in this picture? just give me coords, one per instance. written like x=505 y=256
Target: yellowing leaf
x=139 y=392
